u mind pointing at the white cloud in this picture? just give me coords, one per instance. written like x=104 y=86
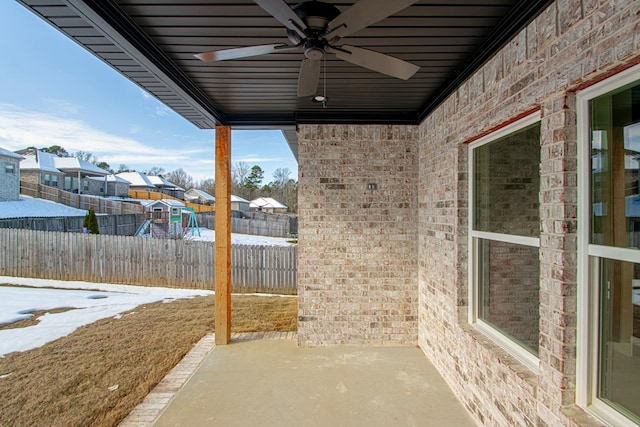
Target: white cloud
x=20 y=129
x=62 y=107
x=162 y=111
x=256 y=158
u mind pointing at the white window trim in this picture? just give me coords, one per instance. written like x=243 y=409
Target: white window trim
x=587 y=295
x=517 y=351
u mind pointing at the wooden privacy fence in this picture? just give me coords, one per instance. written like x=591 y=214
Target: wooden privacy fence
x=79 y=201
x=121 y=225
x=143 y=261
x=155 y=195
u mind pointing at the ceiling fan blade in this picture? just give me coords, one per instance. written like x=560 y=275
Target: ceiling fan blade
x=308 y=77
x=243 y=52
x=283 y=13
x=376 y=61
x=365 y=13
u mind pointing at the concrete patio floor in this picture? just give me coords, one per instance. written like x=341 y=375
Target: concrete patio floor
x=272 y=382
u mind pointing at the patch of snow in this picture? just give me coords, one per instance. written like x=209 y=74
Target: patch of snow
x=89 y=302
x=207 y=235
x=30 y=207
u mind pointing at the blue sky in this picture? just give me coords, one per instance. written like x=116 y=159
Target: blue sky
x=53 y=92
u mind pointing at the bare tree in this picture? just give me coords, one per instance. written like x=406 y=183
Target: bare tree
x=207 y=185
x=180 y=178
x=239 y=174
x=154 y=171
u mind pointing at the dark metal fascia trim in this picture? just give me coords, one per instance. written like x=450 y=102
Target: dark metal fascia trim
x=271 y=121
x=518 y=17
x=364 y=118
x=119 y=25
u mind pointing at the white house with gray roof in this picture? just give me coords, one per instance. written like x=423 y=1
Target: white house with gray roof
x=9 y=175
x=198 y=196
x=67 y=173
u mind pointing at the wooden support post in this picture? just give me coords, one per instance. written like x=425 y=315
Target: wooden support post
x=223 y=235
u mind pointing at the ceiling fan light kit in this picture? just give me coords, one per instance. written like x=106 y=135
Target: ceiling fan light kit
x=316 y=28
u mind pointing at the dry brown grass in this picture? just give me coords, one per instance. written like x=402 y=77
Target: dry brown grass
x=67 y=382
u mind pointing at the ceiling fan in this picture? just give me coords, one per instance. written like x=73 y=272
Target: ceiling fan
x=317 y=28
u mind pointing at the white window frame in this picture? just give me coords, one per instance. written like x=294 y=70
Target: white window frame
x=516 y=350
x=588 y=255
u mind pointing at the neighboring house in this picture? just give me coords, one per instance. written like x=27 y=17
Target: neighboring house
x=268 y=204
x=138 y=181
x=166 y=187
x=38 y=168
x=66 y=173
x=9 y=176
x=239 y=204
x=198 y=196
x=115 y=186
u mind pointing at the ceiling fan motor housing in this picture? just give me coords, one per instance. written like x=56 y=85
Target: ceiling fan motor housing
x=316 y=15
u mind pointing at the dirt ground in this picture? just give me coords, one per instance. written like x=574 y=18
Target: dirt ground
x=98 y=374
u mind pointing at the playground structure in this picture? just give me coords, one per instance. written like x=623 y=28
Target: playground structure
x=167 y=219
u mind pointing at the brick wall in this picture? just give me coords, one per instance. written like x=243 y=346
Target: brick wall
x=571 y=42
x=9 y=182
x=30 y=176
x=357 y=253
x=351 y=292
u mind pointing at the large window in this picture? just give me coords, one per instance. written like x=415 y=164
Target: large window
x=504 y=237
x=609 y=316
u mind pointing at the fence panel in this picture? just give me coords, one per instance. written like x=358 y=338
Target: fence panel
x=143 y=261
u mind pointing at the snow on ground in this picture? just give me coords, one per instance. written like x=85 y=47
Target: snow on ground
x=207 y=235
x=30 y=207
x=89 y=302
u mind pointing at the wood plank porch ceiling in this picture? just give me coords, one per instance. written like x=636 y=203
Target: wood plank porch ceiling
x=152 y=42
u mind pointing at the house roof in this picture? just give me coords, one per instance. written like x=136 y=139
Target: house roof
x=153 y=44
x=267 y=202
x=238 y=199
x=160 y=182
x=47 y=162
x=167 y=202
x=136 y=179
x=7 y=153
x=199 y=193
x=39 y=161
x=74 y=164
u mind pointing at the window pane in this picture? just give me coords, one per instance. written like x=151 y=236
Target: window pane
x=507 y=184
x=508 y=290
x=619 y=361
x=615 y=159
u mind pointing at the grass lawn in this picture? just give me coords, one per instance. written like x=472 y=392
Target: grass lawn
x=98 y=374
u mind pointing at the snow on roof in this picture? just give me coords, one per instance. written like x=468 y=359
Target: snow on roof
x=199 y=193
x=159 y=181
x=48 y=162
x=168 y=202
x=39 y=161
x=238 y=199
x=267 y=202
x=74 y=164
x=136 y=179
x=110 y=178
x=7 y=153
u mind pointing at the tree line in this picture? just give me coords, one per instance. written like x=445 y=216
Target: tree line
x=246 y=181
